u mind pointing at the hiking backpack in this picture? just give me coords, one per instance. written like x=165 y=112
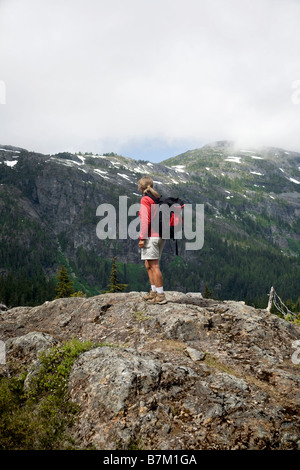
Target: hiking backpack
x=175 y=217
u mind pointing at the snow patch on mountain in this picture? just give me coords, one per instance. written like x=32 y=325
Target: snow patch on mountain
x=181 y=168
x=294 y=181
x=101 y=173
x=11 y=163
x=233 y=159
x=126 y=177
x=7 y=150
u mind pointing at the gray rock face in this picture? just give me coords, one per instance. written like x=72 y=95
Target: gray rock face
x=34 y=341
x=192 y=374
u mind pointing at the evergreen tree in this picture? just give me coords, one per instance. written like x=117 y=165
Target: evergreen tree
x=114 y=285
x=65 y=285
x=78 y=293
x=207 y=294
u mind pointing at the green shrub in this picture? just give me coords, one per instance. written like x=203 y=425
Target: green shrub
x=41 y=417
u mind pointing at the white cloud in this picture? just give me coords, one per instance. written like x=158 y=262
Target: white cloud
x=85 y=75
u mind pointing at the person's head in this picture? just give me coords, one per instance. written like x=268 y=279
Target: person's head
x=145 y=184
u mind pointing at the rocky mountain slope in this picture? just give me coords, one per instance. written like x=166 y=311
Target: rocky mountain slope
x=192 y=374
x=251 y=200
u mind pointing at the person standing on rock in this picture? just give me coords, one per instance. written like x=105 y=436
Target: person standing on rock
x=150 y=242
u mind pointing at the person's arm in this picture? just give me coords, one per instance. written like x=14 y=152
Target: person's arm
x=145 y=217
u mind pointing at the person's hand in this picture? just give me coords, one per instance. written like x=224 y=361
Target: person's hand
x=141 y=243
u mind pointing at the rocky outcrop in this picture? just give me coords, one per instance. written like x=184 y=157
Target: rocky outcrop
x=192 y=374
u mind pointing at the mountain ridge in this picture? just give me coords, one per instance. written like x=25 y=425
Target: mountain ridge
x=252 y=206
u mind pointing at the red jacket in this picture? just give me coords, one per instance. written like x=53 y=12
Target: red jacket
x=145 y=217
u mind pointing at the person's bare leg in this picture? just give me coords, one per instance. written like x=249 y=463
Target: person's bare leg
x=156 y=277
x=152 y=292
x=150 y=272
x=154 y=273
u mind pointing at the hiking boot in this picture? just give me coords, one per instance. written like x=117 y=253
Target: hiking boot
x=159 y=299
x=150 y=296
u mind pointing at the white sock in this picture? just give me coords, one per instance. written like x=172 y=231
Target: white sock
x=160 y=290
x=153 y=288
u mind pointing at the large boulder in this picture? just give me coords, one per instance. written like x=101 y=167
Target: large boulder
x=191 y=374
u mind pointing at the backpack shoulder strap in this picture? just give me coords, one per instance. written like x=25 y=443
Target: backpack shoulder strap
x=152 y=197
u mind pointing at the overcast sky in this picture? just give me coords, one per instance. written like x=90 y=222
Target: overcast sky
x=149 y=78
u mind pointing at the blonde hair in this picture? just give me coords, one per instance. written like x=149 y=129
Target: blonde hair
x=146 y=184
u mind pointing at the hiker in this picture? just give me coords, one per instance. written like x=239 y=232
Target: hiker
x=150 y=242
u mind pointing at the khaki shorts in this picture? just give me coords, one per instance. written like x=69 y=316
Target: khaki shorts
x=153 y=248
